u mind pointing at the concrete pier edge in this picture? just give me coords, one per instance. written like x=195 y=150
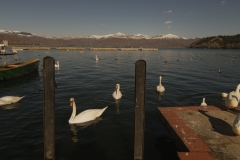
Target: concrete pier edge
x=188 y=142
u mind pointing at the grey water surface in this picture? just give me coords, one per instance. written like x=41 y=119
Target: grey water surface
x=188 y=75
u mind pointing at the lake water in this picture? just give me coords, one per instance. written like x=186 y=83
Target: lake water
x=188 y=75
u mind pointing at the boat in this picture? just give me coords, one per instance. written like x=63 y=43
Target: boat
x=19 y=69
x=3 y=49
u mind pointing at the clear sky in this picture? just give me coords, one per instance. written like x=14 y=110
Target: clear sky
x=186 y=18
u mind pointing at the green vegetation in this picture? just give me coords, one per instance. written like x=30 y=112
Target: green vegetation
x=218 y=42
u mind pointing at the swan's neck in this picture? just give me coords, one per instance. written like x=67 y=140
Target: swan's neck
x=117 y=91
x=203 y=100
x=74 y=110
x=160 y=79
x=238 y=89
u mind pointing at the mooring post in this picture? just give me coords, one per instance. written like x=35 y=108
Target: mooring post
x=140 y=86
x=48 y=107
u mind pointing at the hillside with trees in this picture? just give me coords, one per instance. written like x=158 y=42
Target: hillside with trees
x=218 y=42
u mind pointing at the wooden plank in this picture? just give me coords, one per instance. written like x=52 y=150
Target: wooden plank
x=140 y=87
x=48 y=108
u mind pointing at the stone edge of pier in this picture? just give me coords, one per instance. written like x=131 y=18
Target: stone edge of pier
x=189 y=149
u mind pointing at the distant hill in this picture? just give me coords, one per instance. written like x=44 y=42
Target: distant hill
x=218 y=42
x=111 y=40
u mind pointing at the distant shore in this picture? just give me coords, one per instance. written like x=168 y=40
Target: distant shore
x=84 y=49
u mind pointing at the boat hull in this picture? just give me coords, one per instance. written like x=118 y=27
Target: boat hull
x=20 y=69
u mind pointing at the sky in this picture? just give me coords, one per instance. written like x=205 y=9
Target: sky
x=59 y=18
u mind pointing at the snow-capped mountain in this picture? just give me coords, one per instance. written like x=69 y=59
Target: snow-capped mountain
x=17 y=32
x=136 y=36
x=116 y=35
x=139 y=36
x=71 y=37
x=120 y=40
x=167 y=36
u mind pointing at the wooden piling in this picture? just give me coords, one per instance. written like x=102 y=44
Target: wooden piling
x=48 y=108
x=140 y=87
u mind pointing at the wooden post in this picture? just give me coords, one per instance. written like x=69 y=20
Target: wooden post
x=48 y=108
x=140 y=86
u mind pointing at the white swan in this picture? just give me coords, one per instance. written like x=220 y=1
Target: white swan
x=84 y=116
x=160 y=87
x=232 y=98
x=9 y=100
x=224 y=95
x=203 y=102
x=117 y=93
x=57 y=65
x=97 y=58
x=236 y=125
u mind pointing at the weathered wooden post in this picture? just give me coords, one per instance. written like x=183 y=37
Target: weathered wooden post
x=140 y=86
x=48 y=108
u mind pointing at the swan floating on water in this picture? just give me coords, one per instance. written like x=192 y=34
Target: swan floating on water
x=232 y=98
x=117 y=93
x=57 y=65
x=236 y=125
x=85 y=116
x=160 y=87
x=97 y=58
x=9 y=100
x=203 y=103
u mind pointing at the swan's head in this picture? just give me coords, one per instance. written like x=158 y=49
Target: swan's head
x=117 y=86
x=71 y=101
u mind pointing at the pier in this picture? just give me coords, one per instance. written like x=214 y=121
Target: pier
x=202 y=132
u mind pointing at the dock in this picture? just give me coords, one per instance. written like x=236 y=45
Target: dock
x=202 y=132
x=102 y=49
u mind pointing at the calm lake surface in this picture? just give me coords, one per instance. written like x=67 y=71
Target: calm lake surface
x=188 y=75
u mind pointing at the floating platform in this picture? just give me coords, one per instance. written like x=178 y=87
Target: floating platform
x=102 y=49
x=31 y=48
x=70 y=48
x=202 y=133
x=8 y=53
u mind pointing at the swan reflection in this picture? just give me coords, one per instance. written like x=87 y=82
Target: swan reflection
x=117 y=106
x=160 y=95
x=57 y=71
x=10 y=106
x=82 y=125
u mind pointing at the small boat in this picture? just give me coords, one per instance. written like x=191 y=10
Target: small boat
x=15 y=70
x=3 y=50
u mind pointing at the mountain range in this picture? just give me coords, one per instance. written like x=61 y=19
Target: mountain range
x=109 y=40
